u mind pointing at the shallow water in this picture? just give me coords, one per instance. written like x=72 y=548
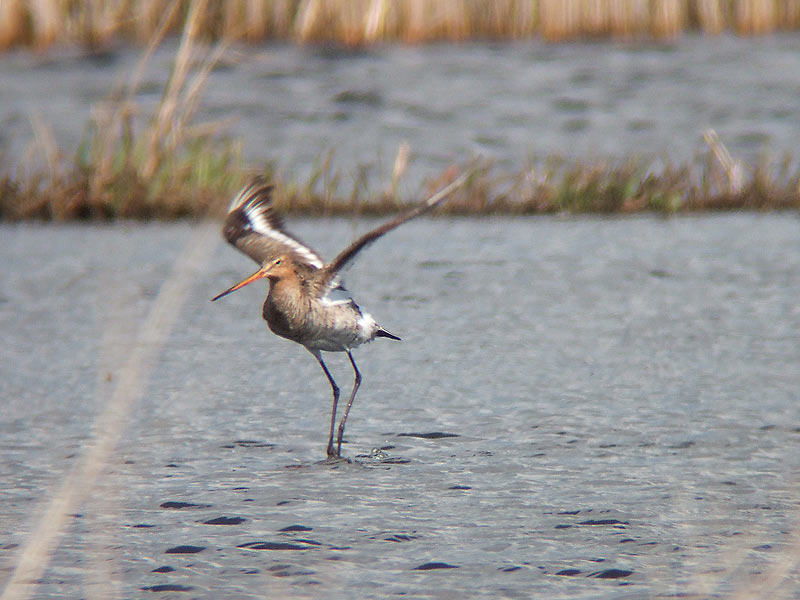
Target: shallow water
x=578 y=408
x=503 y=101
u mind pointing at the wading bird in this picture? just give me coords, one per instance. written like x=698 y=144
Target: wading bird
x=306 y=302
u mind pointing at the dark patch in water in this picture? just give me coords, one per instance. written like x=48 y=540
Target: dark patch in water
x=763 y=547
x=682 y=445
x=611 y=574
x=509 y=569
x=142 y=526
x=459 y=487
x=102 y=57
x=430 y=566
x=164 y=569
x=179 y=505
x=225 y=521
x=643 y=125
x=168 y=587
x=569 y=512
x=563 y=526
x=271 y=546
x=400 y=537
x=296 y=528
x=362 y=97
x=603 y=522
x=282 y=570
x=571 y=104
x=569 y=572
x=253 y=444
x=185 y=550
x=433 y=435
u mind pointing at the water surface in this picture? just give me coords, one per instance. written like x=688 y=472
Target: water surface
x=578 y=408
x=505 y=101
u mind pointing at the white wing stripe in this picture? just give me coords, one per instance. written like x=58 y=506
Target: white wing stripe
x=256 y=214
x=260 y=226
x=240 y=198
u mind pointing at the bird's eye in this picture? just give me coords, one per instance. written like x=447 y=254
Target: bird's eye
x=277 y=262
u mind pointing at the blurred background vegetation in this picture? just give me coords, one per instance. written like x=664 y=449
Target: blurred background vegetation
x=174 y=167
x=41 y=23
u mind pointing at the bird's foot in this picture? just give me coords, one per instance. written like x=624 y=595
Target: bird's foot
x=335 y=456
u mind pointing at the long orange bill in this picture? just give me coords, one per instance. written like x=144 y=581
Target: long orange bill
x=260 y=274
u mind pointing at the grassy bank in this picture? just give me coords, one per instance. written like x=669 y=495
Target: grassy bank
x=198 y=182
x=98 y=23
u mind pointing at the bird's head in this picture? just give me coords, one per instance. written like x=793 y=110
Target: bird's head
x=277 y=269
x=273 y=270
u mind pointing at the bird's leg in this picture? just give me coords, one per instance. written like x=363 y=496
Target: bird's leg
x=349 y=404
x=335 y=388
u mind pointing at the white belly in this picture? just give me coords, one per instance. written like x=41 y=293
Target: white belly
x=343 y=332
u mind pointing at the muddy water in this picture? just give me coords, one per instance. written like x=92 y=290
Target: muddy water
x=504 y=101
x=578 y=408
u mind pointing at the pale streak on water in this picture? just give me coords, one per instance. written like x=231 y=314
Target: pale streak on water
x=623 y=395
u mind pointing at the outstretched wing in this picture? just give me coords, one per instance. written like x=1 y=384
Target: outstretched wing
x=328 y=277
x=253 y=226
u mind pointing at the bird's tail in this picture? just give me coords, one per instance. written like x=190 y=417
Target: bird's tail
x=383 y=333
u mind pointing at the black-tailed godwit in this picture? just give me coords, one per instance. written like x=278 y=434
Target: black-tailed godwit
x=306 y=302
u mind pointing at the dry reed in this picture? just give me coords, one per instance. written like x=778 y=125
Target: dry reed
x=97 y=23
x=545 y=186
x=559 y=185
x=169 y=167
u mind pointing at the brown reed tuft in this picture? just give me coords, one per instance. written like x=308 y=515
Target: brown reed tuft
x=548 y=185
x=97 y=23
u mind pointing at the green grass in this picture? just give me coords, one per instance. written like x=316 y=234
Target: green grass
x=199 y=178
